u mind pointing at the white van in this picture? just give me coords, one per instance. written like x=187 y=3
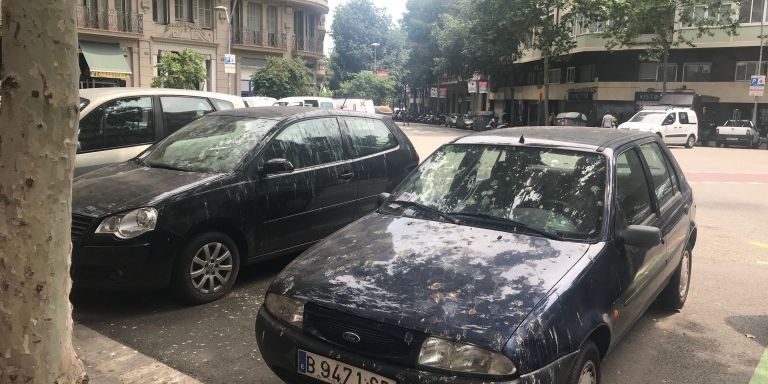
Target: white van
x=355 y=105
x=116 y=124
x=306 y=101
x=675 y=126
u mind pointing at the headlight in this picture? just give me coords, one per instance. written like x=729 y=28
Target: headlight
x=130 y=224
x=288 y=310
x=459 y=357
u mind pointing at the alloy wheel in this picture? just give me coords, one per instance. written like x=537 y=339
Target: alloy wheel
x=588 y=374
x=211 y=268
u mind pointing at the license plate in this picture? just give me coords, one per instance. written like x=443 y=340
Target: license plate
x=335 y=372
x=733 y=139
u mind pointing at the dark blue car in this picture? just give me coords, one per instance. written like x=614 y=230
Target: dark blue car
x=512 y=256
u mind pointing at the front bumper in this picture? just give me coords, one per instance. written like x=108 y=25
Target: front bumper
x=143 y=263
x=279 y=345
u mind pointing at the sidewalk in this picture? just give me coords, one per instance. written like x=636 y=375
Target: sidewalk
x=109 y=362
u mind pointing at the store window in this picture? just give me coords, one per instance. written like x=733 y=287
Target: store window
x=697 y=71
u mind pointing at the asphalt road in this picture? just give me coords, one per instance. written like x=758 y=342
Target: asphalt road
x=719 y=337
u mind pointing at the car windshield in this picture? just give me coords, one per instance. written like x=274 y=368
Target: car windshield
x=648 y=117
x=212 y=144
x=556 y=191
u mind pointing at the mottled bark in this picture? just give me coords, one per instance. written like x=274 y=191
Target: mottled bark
x=38 y=121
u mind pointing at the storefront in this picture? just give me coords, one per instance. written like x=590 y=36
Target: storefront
x=103 y=65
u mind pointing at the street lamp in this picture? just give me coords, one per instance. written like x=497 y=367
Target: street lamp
x=375 y=46
x=229 y=42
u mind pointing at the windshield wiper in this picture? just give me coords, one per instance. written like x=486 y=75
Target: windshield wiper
x=164 y=166
x=509 y=223
x=426 y=208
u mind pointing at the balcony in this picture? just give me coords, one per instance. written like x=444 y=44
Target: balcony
x=259 y=39
x=109 y=20
x=310 y=45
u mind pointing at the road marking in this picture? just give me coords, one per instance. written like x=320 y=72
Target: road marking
x=759 y=244
x=761 y=372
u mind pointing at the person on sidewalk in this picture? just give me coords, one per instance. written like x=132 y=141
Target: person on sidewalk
x=551 y=120
x=609 y=121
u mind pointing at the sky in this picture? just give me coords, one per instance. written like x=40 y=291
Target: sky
x=395 y=8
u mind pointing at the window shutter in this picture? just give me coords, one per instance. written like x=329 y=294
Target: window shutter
x=195 y=11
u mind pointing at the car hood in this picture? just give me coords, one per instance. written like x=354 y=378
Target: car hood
x=459 y=282
x=129 y=185
x=638 y=126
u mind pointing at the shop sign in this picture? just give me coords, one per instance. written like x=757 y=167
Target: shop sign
x=110 y=75
x=433 y=92
x=472 y=86
x=581 y=94
x=647 y=96
x=443 y=93
x=483 y=85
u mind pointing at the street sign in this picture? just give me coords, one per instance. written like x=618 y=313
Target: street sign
x=472 y=86
x=757 y=86
x=483 y=85
x=443 y=93
x=229 y=63
x=433 y=92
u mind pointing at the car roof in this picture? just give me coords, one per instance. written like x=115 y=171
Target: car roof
x=95 y=94
x=302 y=98
x=585 y=138
x=284 y=113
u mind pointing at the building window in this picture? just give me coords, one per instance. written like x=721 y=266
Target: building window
x=531 y=78
x=697 y=71
x=648 y=71
x=586 y=73
x=205 y=13
x=554 y=76
x=272 y=26
x=751 y=11
x=671 y=72
x=570 y=75
x=183 y=10
x=746 y=69
x=253 y=17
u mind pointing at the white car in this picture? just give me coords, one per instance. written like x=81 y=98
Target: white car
x=116 y=124
x=306 y=101
x=355 y=105
x=738 y=132
x=675 y=126
x=259 y=101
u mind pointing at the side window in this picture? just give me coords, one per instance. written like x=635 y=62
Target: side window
x=662 y=180
x=311 y=103
x=683 y=116
x=670 y=119
x=369 y=136
x=118 y=123
x=223 y=105
x=179 y=111
x=632 y=192
x=308 y=143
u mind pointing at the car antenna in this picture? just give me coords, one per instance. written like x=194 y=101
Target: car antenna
x=522 y=139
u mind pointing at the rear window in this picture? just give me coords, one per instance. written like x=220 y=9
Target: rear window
x=222 y=105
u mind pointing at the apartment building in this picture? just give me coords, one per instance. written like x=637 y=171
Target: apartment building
x=121 y=41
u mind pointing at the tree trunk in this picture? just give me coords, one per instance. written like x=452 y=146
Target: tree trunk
x=38 y=121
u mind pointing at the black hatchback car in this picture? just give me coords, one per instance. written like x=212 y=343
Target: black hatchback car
x=512 y=256
x=231 y=188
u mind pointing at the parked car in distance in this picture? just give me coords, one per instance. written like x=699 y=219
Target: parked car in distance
x=229 y=189
x=675 y=126
x=355 y=105
x=520 y=255
x=305 y=101
x=259 y=101
x=737 y=132
x=116 y=124
x=571 y=119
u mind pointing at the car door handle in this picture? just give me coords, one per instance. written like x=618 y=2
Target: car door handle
x=347 y=175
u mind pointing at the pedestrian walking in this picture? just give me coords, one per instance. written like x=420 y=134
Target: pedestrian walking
x=551 y=119
x=609 y=121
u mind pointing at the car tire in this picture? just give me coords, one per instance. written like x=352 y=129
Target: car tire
x=691 y=141
x=676 y=292
x=586 y=368
x=208 y=258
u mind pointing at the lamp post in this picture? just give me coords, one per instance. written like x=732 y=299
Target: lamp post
x=375 y=46
x=759 y=72
x=229 y=41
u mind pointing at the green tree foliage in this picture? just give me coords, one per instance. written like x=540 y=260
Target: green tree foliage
x=366 y=85
x=420 y=20
x=180 y=70
x=282 y=77
x=628 y=22
x=356 y=25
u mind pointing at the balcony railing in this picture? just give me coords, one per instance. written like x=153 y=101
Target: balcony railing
x=257 y=38
x=109 y=20
x=308 y=44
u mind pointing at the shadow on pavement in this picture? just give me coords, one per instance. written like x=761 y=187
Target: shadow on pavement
x=751 y=325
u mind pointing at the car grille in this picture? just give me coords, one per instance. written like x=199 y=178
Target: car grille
x=382 y=341
x=81 y=225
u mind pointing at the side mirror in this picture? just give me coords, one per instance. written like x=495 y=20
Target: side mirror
x=277 y=167
x=382 y=198
x=642 y=236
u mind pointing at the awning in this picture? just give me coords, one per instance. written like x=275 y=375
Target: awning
x=105 y=60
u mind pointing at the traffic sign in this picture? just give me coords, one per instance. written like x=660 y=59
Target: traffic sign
x=229 y=63
x=757 y=86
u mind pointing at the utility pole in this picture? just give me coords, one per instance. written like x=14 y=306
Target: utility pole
x=375 y=64
x=229 y=40
x=759 y=71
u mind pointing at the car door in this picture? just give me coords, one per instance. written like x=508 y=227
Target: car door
x=317 y=197
x=178 y=111
x=673 y=209
x=373 y=147
x=114 y=132
x=687 y=126
x=635 y=205
x=669 y=128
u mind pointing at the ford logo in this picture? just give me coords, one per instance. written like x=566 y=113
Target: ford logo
x=351 y=337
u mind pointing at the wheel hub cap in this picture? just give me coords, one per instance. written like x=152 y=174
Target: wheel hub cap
x=685 y=273
x=588 y=374
x=211 y=268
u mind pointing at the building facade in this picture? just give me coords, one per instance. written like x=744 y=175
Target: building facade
x=121 y=41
